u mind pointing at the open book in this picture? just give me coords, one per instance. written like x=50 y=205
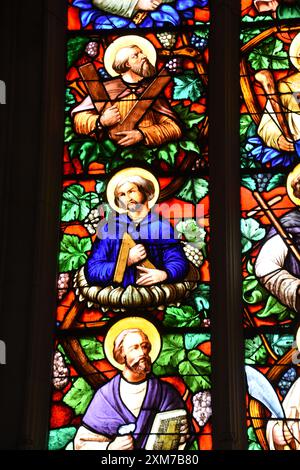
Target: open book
x=165 y=432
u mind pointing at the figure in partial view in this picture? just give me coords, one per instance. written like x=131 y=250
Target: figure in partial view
x=156 y=254
x=277 y=265
x=128 y=8
x=280 y=124
x=134 y=109
x=281 y=9
x=122 y=412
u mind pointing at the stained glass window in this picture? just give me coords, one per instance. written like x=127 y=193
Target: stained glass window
x=131 y=362
x=269 y=130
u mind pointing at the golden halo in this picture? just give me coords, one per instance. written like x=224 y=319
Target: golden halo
x=125 y=324
x=127 y=172
x=298 y=338
x=125 y=41
x=290 y=191
x=294 y=51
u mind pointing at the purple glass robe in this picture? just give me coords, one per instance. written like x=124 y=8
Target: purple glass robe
x=106 y=412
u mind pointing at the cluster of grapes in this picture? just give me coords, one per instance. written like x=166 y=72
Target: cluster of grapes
x=92 y=221
x=167 y=40
x=63 y=284
x=206 y=322
x=60 y=372
x=262 y=180
x=202 y=407
x=198 y=42
x=173 y=65
x=92 y=48
x=286 y=381
x=103 y=74
x=193 y=254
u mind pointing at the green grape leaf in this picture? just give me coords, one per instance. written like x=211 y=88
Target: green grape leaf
x=75 y=49
x=201 y=297
x=274 y=307
x=245 y=122
x=192 y=340
x=92 y=348
x=251 y=232
x=100 y=187
x=59 y=438
x=76 y=204
x=69 y=100
x=168 y=153
x=172 y=353
x=181 y=316
x=187 y=117
x=249 y=183
x=189 y=146
x=195 y=371
x=276 y=180
x=79 y=396
x=194 y=190
x=253 y=292
x=258 y=61
x=280 y=343
x=187 y=87
x=255 y=351
x=252 y=440
x=73 y=252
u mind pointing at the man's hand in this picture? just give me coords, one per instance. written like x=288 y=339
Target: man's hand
x=122 y=443
x=150 y=276
x=136 y=254
x=184 y=428
x=264 y=6
x=285 y=145
x=110 y=117
x=148 y=5
x=129 y=137
x=282 y=436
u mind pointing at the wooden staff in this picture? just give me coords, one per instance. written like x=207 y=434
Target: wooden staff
x=277 y=225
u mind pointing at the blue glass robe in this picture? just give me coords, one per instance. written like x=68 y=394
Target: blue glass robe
x=153 y=232
x=106 y=412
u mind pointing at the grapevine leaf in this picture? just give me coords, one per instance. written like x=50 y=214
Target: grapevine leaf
x=275 y=181
x=79 y=396
x=201 y=297
x=190 y=146
x=280 y=343
x=187 y=86
x=59 y=438
x=73 y=252
x=100 y=187
x=255 y=351
x=245 y=122
x=251 y=232
x=195 y=371
x=249 y=183
x=187 y=117
x=172 y=353
x=69 y=100
x=76 y=47
x=192 y=340
x=76 y=204
x=194 y=190
x=253 y=292
x=181 y=316
x=258 y=61
x=92 y=348
x=252 y=440
x=274 y=307
x=168 y=153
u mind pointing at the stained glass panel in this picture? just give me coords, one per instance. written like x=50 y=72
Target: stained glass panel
x=269 y=132
x=133 y=284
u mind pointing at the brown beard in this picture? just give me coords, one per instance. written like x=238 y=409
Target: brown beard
x=145 y=70
x=141 y=367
